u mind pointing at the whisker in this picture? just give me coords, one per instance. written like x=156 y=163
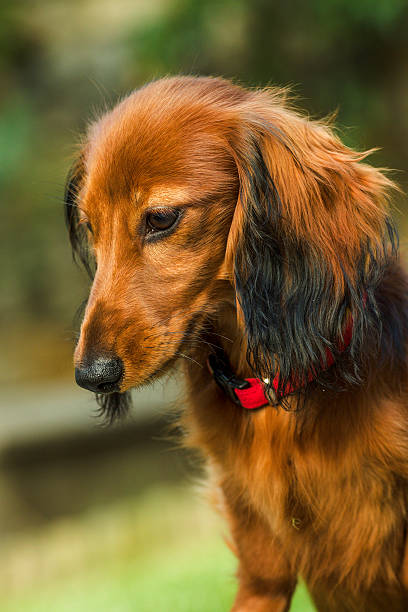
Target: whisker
x=189 y=359
x=194 y=339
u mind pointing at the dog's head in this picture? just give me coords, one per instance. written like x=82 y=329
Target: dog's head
x=194 y=190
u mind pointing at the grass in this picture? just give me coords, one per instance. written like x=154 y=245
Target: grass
x=161 y=552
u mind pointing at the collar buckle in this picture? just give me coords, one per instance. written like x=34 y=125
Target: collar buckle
x=225 y=378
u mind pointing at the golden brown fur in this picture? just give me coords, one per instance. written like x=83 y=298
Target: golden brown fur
x=317 y=490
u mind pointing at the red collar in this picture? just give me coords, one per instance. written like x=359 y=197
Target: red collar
x=250 y=393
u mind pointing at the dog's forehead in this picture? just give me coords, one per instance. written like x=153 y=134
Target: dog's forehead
x=147 y=146
x=165 y=195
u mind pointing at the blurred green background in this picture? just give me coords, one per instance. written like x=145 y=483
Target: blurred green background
x=110 y=520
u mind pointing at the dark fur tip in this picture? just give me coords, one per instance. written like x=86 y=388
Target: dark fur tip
x=113 y=406
x=76 y=232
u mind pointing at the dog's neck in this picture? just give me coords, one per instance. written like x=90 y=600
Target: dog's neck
x=228 y=334
x=392 y=297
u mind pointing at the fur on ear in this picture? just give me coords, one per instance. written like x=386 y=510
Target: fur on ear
x=309 y=242
x=112 y=406
x=76 y=231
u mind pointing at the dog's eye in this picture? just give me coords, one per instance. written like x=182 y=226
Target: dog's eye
x=161 y=219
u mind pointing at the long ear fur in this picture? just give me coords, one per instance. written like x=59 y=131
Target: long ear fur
x=309 y=242
x=77 y=231
x=114 y=405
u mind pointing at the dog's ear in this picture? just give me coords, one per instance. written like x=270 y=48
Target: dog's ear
x=77 y=231
x=308 y=244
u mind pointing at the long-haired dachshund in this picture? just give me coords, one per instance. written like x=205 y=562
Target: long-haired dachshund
x=222 y=225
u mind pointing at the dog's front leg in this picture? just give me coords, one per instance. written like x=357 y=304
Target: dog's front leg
x=266 y=580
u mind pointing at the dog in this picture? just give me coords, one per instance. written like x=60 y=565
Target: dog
x=225 y=229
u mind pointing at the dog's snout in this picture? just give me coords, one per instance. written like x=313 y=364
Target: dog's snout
x=101 y=375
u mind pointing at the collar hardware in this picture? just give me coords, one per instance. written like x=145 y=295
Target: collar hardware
x=220 y=368
x=249 y=393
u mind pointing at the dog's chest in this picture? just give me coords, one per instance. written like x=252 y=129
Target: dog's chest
x=334 y=495
x=336 y=510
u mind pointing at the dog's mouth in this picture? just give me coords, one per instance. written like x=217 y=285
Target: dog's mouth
x=114 y=398
x=160 y=371
x=190 y=337
x=115 y=405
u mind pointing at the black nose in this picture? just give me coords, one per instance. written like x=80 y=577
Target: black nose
x=101 y=375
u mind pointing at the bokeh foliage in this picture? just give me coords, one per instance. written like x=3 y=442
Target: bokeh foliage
x=63 y=62
x=343 y=54
x=130 y=557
